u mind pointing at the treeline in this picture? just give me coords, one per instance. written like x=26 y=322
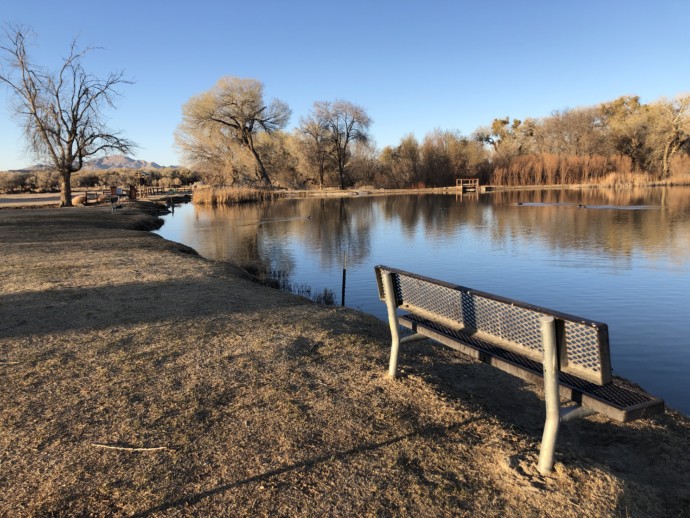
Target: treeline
x=437 y=161
x=46 y=180
x=234 y=137
x=621 y=138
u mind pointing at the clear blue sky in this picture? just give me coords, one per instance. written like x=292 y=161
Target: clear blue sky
x=413 y=65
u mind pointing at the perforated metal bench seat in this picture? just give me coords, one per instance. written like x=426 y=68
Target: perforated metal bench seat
x=617 y=399
x=567 y=354
x=506 y=334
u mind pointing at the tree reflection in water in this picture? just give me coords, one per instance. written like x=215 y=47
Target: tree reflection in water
x=618 y=256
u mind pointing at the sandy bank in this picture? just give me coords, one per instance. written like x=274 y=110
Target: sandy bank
x=139 y=379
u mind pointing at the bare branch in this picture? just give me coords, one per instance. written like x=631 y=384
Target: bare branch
x=61 y=112
x=344 y=123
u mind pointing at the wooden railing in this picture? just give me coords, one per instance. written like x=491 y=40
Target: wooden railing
x=145 y=190
x=467 y=184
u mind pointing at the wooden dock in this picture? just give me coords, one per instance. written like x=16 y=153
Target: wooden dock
x=117 y=194
x=467 y=184
x=146 y=191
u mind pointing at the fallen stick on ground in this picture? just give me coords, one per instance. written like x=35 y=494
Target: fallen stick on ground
x=129 y=448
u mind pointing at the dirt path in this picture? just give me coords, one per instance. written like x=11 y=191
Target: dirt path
x=139 y=379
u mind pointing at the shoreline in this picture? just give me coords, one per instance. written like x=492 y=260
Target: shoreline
x=141 y=378
x=50 y=200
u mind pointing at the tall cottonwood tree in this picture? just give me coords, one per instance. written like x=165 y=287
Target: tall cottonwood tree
x=210 y=153
x=628 y=126
x=314 y=138
x=574 y=132
x=507 y=138
x=234 y=109
x=402 y=165
x=62 y=112
x=344 y=123
x=671 y=129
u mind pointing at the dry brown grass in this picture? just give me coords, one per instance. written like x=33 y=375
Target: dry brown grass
x=602 y=171
x=265 y=403
x=625 y=179
x=551 y=169
x=231 y=195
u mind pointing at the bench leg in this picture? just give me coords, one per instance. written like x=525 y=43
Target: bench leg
x=576 y=412
x=391 y=306
x=551 y=396
x=413 y=338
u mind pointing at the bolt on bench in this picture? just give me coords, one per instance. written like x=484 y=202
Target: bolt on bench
x=568 y=354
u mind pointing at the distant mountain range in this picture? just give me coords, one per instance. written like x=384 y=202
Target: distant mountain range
x=107 y=162
x=120 y=162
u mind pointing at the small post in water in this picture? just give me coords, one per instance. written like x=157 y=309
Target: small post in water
x=342 y=296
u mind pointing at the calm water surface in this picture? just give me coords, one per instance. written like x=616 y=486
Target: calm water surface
x=620 y=257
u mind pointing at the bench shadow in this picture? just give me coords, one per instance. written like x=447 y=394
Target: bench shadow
x=103 y=307
x=648 y=455
x=428 y=432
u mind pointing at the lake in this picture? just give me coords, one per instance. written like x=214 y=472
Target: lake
x=616 y=256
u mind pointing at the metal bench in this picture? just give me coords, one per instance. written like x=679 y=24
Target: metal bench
x=568 y=354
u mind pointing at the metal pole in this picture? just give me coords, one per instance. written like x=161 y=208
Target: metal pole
x=551 y=396
x=391 y=306
x=342 y=295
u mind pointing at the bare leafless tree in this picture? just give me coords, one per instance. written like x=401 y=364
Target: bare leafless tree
x=344 y=123
x=61 y=112
x=235 y=109
x=671 y=129
x=314 y=137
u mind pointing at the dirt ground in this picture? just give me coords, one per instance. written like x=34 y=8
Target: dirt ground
x=49 y=199
x=139 y=379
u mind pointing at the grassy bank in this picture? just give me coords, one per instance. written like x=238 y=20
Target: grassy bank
x=140 y=379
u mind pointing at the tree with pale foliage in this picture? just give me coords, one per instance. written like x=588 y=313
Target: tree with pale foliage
x=211 y=153
x=628 y=125
x=344 y=124
x=233 y=110
x=670 y=129
x=401 y=166
x=314 y=139
x=62 y=112
x=507 y=138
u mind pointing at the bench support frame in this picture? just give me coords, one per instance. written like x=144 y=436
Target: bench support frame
x=554 y=414
x=391 y=306
x=551 y=395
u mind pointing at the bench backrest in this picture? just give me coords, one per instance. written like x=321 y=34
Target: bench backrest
x=583 y=344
